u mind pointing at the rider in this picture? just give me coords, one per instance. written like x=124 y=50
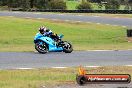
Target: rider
x=47 y=32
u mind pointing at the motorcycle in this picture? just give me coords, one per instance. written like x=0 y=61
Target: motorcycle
x=44 y=44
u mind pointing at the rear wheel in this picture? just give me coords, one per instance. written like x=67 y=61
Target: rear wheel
x=41 y=47
x=67 y=47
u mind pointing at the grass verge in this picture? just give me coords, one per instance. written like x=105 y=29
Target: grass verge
x=104 y=15
x=90 y=14
x=39 y=78
x=16 y=34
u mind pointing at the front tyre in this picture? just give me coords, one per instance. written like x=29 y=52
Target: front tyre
x=41 y=47
x=67 y=47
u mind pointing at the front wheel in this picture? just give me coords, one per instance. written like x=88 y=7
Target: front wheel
x=67 y=47
x=41 y=47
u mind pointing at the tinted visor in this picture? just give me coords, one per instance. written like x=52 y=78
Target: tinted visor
x=41 y=31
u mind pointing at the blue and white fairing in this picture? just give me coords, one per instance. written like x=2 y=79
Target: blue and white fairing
x=50 y=42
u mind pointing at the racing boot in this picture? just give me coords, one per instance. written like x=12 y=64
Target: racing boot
x=59 y=43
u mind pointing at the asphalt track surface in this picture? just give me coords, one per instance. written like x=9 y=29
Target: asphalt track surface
x=117 y=21
x=14 y=60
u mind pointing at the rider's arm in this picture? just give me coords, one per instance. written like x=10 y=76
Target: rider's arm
x=48 y=32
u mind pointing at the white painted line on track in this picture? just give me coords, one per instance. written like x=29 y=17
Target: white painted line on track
x=28 y=17
x=107 y=24
x=59 y=67
x=60 y=14
x=24 y=68
x=96 y=16
x=10 y=16
x=124 y=26
x=78 y=21
x=66 y=20
x=100 y=50
x=128 y=65
x=54 y=19
x=37 y=13
x=16 y=12
x=39 y=18
x=43 y=86
x=115 y=25
x=88 y=22
x=98 y=23
x=36 y=51
x=116 y=17
x=79 y=15
x=92 y=66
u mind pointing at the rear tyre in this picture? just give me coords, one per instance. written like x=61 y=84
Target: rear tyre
x=41 y=47
x=67 y=47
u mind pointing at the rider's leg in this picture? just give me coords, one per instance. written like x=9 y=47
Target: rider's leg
x=55 y=37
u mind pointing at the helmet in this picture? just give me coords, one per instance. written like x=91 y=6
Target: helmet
x=42 y=29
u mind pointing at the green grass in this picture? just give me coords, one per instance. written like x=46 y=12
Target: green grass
x=16 y=34
x=71 y=5
x=96 y=7
x=34 y=78
x=51 y=77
